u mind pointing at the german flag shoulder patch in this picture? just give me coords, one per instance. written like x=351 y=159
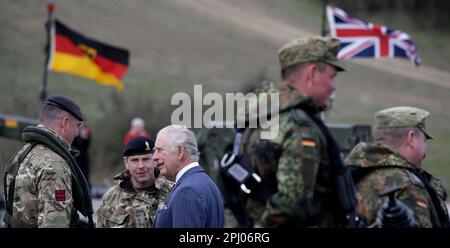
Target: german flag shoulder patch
x=422 y=203
x=308 y=142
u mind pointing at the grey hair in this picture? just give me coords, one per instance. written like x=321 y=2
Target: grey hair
x=393 y=137
x=50 y=114
x=181 y=135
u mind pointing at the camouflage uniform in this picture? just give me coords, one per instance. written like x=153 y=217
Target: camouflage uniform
x=123 y=207
x=390 y=169
x=381 y=168
x=43 y=187
x=295 y=164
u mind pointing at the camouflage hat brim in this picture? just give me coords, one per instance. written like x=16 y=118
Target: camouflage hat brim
x=308 y=50
x=427 y=133
x=338 y=64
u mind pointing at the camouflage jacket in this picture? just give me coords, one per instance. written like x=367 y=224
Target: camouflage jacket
x=43 y=187
x=391 y=169
x=123 y=207
x=293 y=165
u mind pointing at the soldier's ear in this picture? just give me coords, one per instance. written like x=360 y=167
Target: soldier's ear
x=310 y=71
x=64 y=122
x=410 y=138
x=125 y=159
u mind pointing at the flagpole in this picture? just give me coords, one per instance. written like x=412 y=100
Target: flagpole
x=50 y=9
x=324 y=30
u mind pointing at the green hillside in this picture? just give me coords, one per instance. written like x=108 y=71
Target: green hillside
x=223 y=45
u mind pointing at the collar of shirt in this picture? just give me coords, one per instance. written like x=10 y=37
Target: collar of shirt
x=182 y=171
x=56 y=135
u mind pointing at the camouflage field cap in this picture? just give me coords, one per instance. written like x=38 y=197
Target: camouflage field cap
x=402 y=117
x=310 y=50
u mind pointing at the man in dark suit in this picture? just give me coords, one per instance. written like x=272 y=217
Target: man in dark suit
x=195 y=200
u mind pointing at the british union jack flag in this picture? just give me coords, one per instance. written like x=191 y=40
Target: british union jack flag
x=362 y=39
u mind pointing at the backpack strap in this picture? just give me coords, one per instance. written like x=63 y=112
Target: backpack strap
x=344 y=186
x=442 y=214
x=12 y=169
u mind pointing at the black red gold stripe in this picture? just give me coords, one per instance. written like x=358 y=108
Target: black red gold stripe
x=75 y=54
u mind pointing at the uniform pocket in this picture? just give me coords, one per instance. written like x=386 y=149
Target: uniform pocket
x=119 y=218
x=113 y=218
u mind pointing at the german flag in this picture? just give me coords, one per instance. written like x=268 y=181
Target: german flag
x=72 y=53
x=308 y=142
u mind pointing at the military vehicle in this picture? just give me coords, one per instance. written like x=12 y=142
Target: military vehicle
x=11 y=127
x=214 y=142
x=349 y=135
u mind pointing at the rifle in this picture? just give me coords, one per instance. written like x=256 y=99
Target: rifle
x=393 y=213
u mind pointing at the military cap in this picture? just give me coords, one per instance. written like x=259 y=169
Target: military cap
x=313 y=49
x=138 y=146
x=402 y=117
x=66 y=104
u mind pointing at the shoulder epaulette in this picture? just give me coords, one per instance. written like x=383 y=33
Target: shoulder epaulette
x=414 y=179
x=300 y=117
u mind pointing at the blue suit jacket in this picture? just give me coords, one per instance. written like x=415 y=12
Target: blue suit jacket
x=195 y=202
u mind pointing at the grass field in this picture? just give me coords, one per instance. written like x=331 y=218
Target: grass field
x=223 y=45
